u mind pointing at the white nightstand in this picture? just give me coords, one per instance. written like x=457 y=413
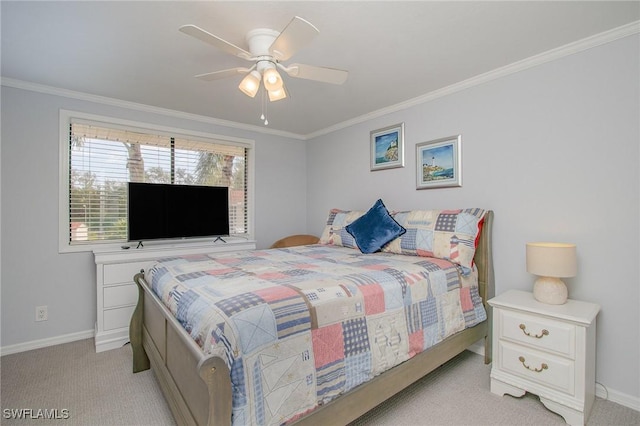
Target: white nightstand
x=548 y=350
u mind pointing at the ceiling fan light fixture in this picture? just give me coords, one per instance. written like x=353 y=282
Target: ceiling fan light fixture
x=278 y=94
x=250 y=84
x=267 y=49
x=272 y=79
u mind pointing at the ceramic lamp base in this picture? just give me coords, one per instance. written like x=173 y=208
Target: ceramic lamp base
x=550 y=290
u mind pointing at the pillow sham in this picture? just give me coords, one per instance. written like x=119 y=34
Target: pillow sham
x=374 y=229
x=334 y=232
x=446 y=234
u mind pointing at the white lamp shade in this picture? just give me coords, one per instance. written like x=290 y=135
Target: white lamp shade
x=552 y=259
x=250 y=84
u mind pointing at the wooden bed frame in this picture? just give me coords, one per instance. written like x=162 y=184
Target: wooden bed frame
x=197 y=387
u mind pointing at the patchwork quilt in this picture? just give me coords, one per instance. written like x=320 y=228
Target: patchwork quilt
x=302 y=325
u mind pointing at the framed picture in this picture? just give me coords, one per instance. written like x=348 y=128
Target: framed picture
x=387 y=147
x=439 y=163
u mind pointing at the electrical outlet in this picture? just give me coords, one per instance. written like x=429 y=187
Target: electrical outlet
x=41 y=313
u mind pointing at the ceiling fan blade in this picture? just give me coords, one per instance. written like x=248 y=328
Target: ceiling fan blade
x=297 y=34
x=310 y=72
x=213 y=40
x=217 y=75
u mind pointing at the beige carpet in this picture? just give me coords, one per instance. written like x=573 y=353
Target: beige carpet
x=95 y=388
x=99 y=389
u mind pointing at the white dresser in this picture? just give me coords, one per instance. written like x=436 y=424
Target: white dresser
x=116 y=292
x=548 y=350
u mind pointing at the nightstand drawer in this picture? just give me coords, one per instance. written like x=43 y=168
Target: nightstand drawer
x=543 y=368
x=538 y=333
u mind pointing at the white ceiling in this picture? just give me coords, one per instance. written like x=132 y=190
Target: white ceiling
x=394 y=51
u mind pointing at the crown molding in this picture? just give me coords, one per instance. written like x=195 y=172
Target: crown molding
x=533 y=61
x=49 y=90
x=542 y=58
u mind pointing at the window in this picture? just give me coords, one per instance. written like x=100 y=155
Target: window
x=100 y=156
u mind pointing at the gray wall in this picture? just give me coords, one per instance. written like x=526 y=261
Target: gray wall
x=34 y=273
x=554 y=150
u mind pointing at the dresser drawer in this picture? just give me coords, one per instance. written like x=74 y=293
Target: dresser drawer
x=118 y=318
x=120 y=273
x=538 y=333
x=120 y=295
x=539 y=367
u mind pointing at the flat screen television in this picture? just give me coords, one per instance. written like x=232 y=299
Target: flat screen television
x=163 y=211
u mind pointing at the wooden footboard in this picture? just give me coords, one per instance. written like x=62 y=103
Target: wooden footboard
x=198 y=387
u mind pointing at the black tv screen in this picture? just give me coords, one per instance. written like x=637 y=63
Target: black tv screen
x=163 y=211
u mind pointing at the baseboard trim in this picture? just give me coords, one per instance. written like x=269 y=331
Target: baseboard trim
x=617 y=397
x=43 y=343
x=112 y=339
x=477 y=347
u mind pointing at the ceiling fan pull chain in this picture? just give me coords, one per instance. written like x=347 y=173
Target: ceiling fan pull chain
x=264 y=108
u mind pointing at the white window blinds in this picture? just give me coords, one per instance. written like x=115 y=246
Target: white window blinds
x=104 y=157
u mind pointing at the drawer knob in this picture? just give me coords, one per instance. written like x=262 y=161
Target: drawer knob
x=544 y=332
x=537 y=370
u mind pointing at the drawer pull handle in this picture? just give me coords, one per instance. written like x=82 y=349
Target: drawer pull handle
x=545 y=332
x=537 y=370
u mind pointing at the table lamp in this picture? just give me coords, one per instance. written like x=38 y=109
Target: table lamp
x=551 y=261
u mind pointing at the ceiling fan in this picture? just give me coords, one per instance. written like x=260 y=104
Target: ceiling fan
x=267 y=48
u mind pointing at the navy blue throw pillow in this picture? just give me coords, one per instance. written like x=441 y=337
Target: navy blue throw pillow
x=374 y=229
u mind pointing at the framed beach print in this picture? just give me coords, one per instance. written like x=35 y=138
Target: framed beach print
x=439 y=163
x=387 y=147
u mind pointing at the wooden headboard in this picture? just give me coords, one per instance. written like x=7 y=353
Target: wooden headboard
x=484 y=259
x=486 y=281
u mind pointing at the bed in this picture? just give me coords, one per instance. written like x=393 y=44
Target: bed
x=200 y=353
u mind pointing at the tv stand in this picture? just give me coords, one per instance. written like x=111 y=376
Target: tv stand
x=117 y=295
x=219 y=238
